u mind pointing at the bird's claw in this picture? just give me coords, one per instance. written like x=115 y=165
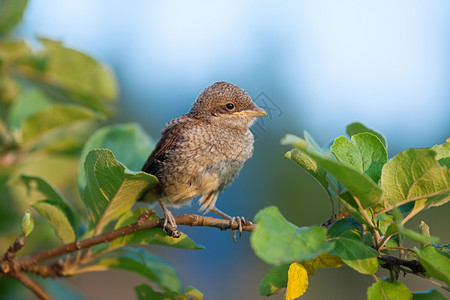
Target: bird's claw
x=241 y=222
x=170 y=225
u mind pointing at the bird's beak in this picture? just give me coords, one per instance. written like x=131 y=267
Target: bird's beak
x=255 y=112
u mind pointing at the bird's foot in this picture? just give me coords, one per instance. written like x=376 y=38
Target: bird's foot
x=241 y=222
x=170 y=225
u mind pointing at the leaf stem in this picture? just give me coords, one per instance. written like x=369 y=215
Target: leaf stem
x=400 y=203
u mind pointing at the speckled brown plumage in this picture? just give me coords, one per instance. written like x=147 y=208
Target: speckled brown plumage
x=201 y=152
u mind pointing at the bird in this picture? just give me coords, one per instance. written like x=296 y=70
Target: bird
x=202 y=152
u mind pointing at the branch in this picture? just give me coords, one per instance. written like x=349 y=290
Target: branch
x=27 y=262
x=31 y=285
x=392 y=262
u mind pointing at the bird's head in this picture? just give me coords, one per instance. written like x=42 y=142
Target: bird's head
x=227 y=105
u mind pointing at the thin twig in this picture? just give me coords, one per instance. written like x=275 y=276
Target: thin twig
x=375 y=233
x=31 y=285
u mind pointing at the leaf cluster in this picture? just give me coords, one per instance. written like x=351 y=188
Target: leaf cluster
x=377 y=197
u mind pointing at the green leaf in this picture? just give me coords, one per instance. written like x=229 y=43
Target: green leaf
x=78 y=74
x=55 y=215
x=325 y=260
x=25 y=105
x=431 y=294
x=435 y=262
x=308 y=165
x=13 y=52
x=295 y=141
x=11 y=12
x=111 y=189
x=359 y=184
x=152 y=267
x=413 y=174
x=277 y=241
x=346 y=227
x=356 y=255
x=150 y=236
x=274 y=280
x=9 y=88
x=311 y=141
x=146 y=292
x=388 y=291
x=424 y=230
x=348 y=202
x=417 y=237
x=357 y=127
x=54 y=199
x=138 y=146
x=365 y=153
x=54 y=117
x=384 y=221
x=27 y=223
x=443 y=154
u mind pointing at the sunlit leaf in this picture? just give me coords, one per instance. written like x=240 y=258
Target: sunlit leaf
x=138 y=146
x=297 y=281
x=277 y=241
x=27 y=223
x=55 y=215
x=13 y=52
x=111 y=189
x=383 y=290
x=357 y=127
x=443 y=154
x=414 y=173
x=54 y=199
x=364 y=152
x=325 y=260
x=358 y=183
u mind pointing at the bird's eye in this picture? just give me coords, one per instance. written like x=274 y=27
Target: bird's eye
x=229 y=106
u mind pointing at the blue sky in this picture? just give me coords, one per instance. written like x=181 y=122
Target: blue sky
x=328 y=63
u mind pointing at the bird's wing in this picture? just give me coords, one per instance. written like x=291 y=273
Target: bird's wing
x=169 y=136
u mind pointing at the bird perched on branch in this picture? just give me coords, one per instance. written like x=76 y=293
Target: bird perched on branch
x=201 y=152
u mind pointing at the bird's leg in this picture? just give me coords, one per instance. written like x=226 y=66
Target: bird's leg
x=240 y=220
x=169 y=220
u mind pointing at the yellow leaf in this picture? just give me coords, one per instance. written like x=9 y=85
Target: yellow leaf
x=297 y=281
x=323 y=261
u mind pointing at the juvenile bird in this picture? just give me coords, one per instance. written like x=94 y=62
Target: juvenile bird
x=201 y=152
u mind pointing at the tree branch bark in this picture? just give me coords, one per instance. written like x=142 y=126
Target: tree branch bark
x=414 y=265
x=31 y=285
x=29 y=263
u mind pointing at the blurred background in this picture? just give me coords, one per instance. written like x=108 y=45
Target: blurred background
x=313 y=65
